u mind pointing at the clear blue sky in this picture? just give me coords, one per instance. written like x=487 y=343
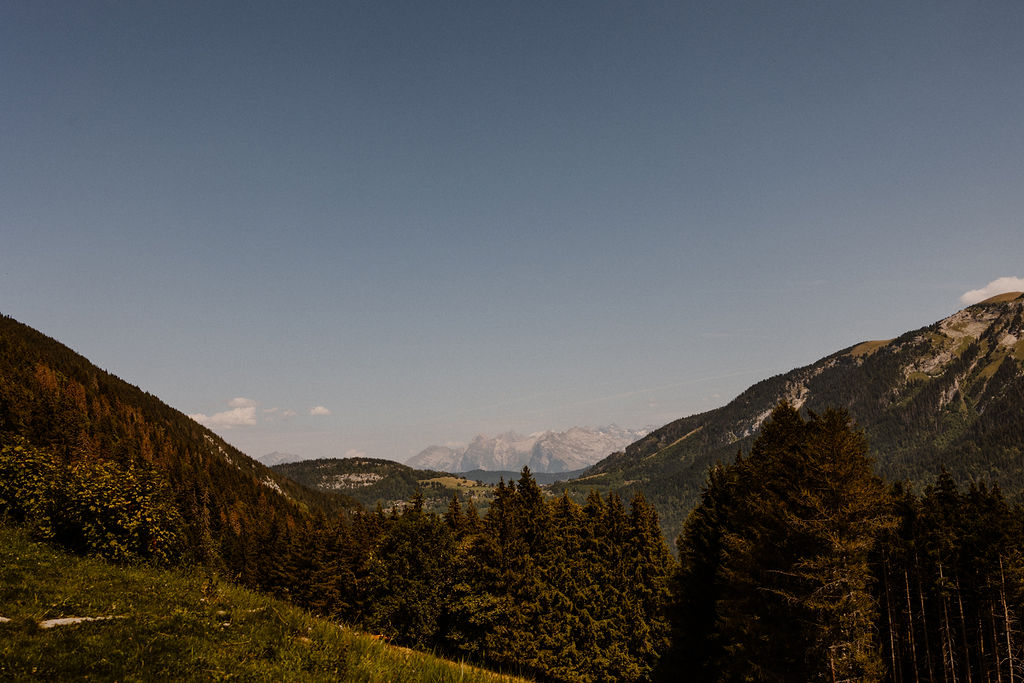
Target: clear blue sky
x=436 y=219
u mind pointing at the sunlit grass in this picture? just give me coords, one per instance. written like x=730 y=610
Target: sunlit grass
x=867 y=348
x=177 y=626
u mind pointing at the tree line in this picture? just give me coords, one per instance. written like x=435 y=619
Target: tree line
x=538 y=586
x=800 y=564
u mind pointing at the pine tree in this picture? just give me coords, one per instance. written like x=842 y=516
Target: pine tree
x=648 y=565
x=525 y=581
x=454 y=518
x=693 y=603
x=781 y=544
x=562 y=605
x=409 y=577
x=842 y=507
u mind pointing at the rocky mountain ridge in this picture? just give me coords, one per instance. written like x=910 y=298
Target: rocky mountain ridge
x=278 y=458
x=949 y=395
x=543 y=452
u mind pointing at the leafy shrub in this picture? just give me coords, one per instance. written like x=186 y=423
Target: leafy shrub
x=93 y=506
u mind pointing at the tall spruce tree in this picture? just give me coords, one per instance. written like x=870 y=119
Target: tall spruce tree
x=694 y=588
x=648 y=565
x=775 y=559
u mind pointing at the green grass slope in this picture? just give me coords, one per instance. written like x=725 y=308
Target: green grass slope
x=153 y=624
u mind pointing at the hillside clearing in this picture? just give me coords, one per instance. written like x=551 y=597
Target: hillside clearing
x=867 y=348
x=73 y=618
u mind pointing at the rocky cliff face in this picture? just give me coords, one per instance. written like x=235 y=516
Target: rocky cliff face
x=546 y=452
x=950 y=395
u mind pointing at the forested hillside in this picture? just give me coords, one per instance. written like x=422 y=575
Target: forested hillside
x=950 y=395
x=386 y=483
x=75 y=436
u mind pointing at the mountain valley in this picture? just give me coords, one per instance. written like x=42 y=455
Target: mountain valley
x=95 y=465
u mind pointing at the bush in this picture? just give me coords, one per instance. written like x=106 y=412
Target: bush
x=92 y=506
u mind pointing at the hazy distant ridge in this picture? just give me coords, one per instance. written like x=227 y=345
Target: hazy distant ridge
x=543 y=452
x=278 y=458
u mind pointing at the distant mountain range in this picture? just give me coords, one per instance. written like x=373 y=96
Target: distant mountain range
x=950 y=395
x=278 y=458
x=543 y=452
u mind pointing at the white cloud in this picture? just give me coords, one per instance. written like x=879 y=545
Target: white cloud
x=998 y=286
x=319 y=410
x=241 y=402
x=242 y=414
x=353 y=453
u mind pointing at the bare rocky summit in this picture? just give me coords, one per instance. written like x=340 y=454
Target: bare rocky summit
x=545 y=452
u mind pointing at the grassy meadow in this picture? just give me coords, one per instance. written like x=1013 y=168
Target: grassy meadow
x=166 y=625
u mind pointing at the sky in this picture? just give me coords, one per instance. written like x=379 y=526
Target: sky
x=340 y=228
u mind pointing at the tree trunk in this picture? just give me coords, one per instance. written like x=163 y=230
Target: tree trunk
x=982 y=666
x=896 y=673
x=910 y=627
x=1006 y=617
x=947 y=644
x=963 y=631
x=924 y=621
x=995 y=643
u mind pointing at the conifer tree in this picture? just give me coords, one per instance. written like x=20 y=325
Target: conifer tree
x=454 y=518
x=473 y=523
x=409 y=577
x=480 y=606
x=693 y=605
x=529 y=589
x=561 y=607
x=782 y=542
x=648 y=567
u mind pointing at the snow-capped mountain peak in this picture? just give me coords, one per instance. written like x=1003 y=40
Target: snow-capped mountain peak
x=544 y=451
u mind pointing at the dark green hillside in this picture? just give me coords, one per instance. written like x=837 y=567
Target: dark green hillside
x=948 y=395
x=66 y=423
x=372 y=481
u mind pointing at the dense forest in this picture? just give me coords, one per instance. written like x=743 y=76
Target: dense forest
x=798 y=562
x=537 y=586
